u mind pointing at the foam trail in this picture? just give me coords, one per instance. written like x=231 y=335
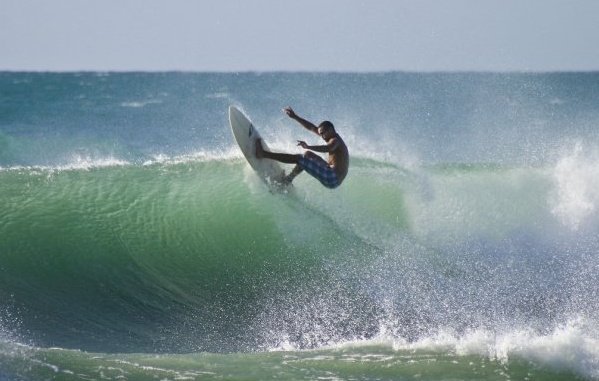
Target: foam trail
x=573 y=346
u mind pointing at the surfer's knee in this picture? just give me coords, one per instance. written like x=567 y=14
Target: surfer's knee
x=310 y=155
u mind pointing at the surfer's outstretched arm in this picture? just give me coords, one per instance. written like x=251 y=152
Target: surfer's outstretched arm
x=307 y=125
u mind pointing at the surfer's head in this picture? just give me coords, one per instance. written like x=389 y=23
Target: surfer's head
x=326 y=130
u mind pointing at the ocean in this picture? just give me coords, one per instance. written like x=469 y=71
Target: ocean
x=137 y=244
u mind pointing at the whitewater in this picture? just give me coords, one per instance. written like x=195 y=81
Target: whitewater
x=136 y=243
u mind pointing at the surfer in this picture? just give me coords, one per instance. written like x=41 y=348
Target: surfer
x=330 y=173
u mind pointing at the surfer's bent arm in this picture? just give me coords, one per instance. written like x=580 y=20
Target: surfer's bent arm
x=324 y=148
x=306 y=124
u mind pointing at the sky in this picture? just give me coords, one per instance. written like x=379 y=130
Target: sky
x=299 y=35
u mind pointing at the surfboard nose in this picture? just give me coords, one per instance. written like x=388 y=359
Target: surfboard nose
x=234 y=113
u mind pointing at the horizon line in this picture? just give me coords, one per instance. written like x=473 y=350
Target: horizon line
x=259 y=72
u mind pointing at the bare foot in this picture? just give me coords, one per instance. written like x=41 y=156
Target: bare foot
x=259 y=149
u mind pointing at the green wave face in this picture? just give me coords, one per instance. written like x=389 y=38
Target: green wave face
x=165 y=257
x=202 y=256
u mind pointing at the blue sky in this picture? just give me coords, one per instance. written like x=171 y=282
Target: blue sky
x=322 y=35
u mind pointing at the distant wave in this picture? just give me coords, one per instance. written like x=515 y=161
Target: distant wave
x=140 y=104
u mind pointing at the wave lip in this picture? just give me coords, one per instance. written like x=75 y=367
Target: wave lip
x=77 y=165
x=232 y=152
x=87 y=162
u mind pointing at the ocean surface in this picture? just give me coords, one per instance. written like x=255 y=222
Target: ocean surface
x=137 y=244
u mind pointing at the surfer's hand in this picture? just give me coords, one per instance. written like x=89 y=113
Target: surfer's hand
x=302 y=144
x=289 y=111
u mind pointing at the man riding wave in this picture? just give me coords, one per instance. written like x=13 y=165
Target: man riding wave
x=330 y=173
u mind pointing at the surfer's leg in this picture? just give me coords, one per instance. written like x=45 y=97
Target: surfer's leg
x=282 y=157
x=312 y=156
x=296 y=171
x=319 y=169
x=299 y=169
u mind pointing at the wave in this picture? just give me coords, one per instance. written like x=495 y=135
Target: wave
x=193 y=253
x=131 y=250
x=140 y=104
x=118 y=237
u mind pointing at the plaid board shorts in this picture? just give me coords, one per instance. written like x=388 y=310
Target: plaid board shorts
x=320 y=171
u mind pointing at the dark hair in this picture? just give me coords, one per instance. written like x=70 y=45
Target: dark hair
x=326 y=124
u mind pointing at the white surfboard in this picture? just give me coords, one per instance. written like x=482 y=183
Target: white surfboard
x=246 y=135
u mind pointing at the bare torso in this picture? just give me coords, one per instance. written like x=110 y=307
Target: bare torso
x=339 y=158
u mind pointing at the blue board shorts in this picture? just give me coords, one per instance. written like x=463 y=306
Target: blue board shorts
x=320 y=170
